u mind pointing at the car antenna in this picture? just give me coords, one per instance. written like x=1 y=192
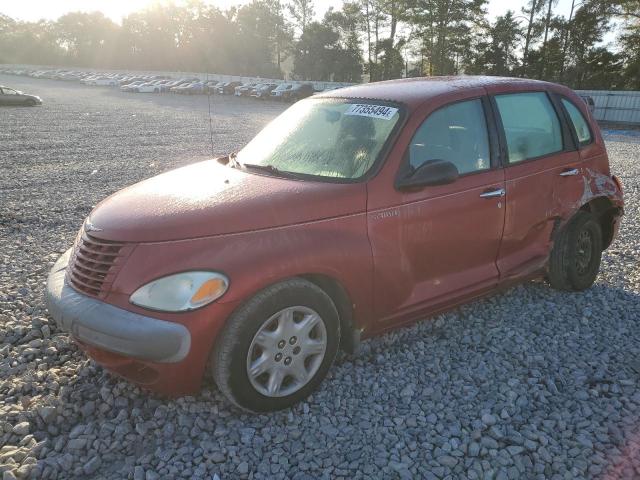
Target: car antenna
x=210 y=120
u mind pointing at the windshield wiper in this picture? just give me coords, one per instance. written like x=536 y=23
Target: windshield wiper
x=270 y=169
x=263 y=168
x=233 y=160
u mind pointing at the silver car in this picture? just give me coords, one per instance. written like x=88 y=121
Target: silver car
x=10 y=96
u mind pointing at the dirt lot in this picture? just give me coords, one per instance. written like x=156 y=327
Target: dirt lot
x=532 y=383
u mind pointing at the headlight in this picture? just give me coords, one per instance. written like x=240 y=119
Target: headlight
x=181 y=292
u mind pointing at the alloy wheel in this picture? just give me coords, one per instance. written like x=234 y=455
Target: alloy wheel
x=286 y=351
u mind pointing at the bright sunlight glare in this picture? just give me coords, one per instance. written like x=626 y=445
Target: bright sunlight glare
x=33 y=10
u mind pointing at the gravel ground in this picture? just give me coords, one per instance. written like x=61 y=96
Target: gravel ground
x=528 y=384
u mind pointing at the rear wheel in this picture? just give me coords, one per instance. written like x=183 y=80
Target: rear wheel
x=277 y=348
x=575 y=259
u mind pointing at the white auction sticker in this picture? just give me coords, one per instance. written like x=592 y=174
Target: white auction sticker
x=374 y=111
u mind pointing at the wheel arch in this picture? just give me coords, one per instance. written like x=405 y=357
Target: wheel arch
x=605 y=211
x=350 y=335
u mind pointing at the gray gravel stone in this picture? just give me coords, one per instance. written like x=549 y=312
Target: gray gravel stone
x=488 y=419
x=21 y=428
x=91 y=466
x=138 y=473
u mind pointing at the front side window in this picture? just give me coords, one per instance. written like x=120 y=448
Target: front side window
x=325 y=138
x=531 y=126
x=456 y=133
x=9 y=91
x=579 y=122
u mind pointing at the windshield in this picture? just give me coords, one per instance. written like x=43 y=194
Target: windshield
x=326 y=138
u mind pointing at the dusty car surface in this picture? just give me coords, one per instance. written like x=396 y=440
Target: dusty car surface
x=10 y=96
x=354 y=212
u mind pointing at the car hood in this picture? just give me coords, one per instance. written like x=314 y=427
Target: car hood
x=207 y=198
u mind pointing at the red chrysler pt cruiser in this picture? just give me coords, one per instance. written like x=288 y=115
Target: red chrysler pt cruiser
x=352 y=213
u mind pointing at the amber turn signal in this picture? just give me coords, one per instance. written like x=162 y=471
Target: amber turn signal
x=211 y=289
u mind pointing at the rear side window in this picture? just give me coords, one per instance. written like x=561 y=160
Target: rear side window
x=579 y=122
x=456 y=133
x=531 y=125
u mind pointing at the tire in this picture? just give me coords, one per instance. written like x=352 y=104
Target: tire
x=30 y=102
x=238 y=347
x=575 y=258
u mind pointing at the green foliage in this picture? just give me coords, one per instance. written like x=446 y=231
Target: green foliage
x=631 y=47
x=302 y=12
x=496 y=51
x=321 y=55
x=445 y=31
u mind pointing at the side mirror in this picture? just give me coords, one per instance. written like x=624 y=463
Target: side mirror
x=430 y=173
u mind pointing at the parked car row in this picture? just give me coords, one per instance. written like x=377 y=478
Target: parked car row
x=132 y=83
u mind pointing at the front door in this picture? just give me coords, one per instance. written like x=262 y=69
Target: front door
x=440 y=243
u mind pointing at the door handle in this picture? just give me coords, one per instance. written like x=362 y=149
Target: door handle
x=493 y=193
x=570 y=172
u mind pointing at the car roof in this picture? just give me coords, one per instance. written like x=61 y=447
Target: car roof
x=414 y=91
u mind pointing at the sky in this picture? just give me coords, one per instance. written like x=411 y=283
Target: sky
x=116 y=9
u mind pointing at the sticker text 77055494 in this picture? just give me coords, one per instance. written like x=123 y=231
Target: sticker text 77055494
x=374 y=111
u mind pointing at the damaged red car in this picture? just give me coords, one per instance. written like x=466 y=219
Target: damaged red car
x=354 y=212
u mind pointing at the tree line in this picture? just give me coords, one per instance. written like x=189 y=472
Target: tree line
x=383 y=39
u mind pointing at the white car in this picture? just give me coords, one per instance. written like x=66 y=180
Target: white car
x=89 y=80
x=152 y=87
x=131 y=87
x=108 y=82
x=147 y=88
x=102 y=82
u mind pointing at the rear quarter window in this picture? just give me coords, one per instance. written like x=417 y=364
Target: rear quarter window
x=580 y=124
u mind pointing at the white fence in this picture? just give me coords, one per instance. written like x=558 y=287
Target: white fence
x=615 y=107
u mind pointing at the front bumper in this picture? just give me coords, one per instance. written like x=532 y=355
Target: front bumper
x=110 y=328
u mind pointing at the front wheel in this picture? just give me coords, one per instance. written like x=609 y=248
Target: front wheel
x=277 y=348
x=577 y=251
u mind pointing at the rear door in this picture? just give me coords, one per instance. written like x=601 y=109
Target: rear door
x=542 y=174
